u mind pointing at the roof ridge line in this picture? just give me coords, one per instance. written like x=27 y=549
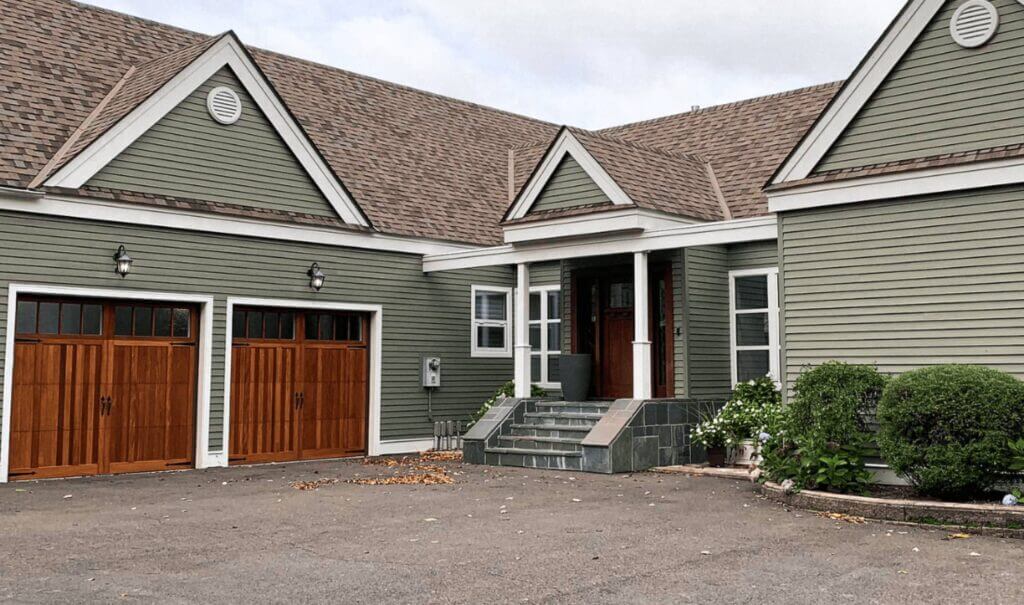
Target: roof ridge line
x=407 y=87
x=722 y=106
x=111 y=11
x=70 y=142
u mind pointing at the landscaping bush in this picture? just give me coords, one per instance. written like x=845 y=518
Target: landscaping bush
x=823 y=435
x=506 y=390
x=947 y=429
x=813 y=463
x=835 y=402
x=753 y=408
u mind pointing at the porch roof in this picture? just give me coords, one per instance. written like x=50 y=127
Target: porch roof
x=617 y=242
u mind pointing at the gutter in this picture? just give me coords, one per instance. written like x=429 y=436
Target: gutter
x=24 y=194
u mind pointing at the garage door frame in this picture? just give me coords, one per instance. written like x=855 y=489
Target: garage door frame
x=203 y=375
x=376 y=313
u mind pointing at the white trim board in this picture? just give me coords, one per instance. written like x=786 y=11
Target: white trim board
x=376 y=312
x=404 y=446
x=474 y=349
x=774 y=347
x=226 y=51
x=175 y=218
x=566 y=143
x=624 y=219
x=903 y=184
x=546 y=320
x=861 y=86
x=202 y=436
x=701 y=234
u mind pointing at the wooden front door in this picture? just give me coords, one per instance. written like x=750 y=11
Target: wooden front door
x=299 y=385
x=604 y=319
x=616 y=370
x=102 y=387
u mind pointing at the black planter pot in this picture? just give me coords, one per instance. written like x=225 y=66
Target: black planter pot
x=574 y=370
x=716 y=456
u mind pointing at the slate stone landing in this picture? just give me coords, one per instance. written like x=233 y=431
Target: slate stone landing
x=594 y=436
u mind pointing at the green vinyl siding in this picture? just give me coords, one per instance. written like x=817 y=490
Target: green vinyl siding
x=422 y=314
x=942 y=98
x=707 y=321
x=188 y=154
x=706 y=310
x=753 y=255
x=906 y=283
x=545 y=274
x=568 y=187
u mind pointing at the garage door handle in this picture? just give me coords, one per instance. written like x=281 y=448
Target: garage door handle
x=300 y=399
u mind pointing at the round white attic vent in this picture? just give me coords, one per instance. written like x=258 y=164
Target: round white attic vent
x=224 y=105
x=974 y=23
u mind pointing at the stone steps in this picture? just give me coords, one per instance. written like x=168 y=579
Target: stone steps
x=531 y=452
x=549 y=435
x=534 y=442
x=551 y=430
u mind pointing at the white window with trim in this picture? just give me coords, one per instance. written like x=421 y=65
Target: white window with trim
x=545 y=335
x=754 y=323
x=492 y=323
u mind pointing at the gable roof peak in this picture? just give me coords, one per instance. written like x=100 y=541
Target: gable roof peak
x=146 y=93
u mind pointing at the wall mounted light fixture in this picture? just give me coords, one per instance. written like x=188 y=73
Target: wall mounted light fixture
x=316 y=277
x=122 y=262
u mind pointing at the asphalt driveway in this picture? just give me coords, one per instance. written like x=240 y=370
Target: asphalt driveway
x=494 y=535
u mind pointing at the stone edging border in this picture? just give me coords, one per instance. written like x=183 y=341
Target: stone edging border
x=985 y=519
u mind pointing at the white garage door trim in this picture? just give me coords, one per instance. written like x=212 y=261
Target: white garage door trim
x=203 y=460
x=374 y=446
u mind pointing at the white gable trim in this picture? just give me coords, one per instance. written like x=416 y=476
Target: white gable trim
x=226 y=51
x=974 y=175
x=567 y=144
x=859 y=89
x=617 y=220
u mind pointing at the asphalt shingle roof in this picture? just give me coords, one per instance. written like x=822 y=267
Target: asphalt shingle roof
x=417 y=163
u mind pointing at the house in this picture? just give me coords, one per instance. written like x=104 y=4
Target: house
x=214 y=254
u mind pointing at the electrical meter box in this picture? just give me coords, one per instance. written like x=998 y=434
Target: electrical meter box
x=431 y=372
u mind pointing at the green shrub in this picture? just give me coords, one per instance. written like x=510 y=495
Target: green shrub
x=506 y=390
x=822 y=436
x=835 y=402
x=1016 y=455
x=947 y=428
x=813 y=463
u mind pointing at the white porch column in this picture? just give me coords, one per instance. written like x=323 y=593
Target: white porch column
x=522 y=328
x=641 y=333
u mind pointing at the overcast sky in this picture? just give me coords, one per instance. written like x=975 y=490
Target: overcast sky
x=589 y=63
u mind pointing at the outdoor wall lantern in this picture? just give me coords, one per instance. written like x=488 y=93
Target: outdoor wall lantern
x=316 y=277
x=122 y=262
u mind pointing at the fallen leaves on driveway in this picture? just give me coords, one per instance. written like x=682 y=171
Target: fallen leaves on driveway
x=413 y=470
x=843 y=517
x=310 y=485
x=407 y=479
x=438 y=456
x=957 y=537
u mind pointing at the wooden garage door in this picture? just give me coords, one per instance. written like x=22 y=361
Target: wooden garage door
x=102 y=387
x=299 y=385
